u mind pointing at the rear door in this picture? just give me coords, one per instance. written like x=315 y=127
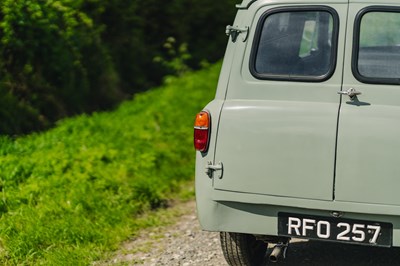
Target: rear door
x=368 y=164
x=277 y=130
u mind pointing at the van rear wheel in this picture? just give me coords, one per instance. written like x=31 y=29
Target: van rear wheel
x=242 y=249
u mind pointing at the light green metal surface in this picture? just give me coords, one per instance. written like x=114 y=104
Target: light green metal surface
x=277 y=139
x=368 y=164
x=247 y=3
x=262 y=146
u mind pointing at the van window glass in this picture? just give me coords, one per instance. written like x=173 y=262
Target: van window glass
x=295 y=45
x=378 y=58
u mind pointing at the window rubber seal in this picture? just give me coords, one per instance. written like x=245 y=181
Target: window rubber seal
x=297 y=78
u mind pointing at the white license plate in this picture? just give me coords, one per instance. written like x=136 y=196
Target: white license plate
x=335 y=229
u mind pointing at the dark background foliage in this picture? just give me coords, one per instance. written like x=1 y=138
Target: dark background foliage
x=60 y=58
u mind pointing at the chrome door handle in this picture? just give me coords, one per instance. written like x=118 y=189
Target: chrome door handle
x=350 y=92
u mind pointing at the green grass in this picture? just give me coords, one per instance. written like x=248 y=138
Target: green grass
x=69 y=195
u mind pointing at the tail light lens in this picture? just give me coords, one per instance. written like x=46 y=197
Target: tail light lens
x=202 y=131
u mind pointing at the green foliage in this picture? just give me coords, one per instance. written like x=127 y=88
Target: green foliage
x=380 y=29
x=72 y=193
x=176 y=59
x=52 y=62
x=65 y=57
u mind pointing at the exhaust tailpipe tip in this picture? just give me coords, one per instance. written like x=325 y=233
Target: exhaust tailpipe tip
x=278 y=252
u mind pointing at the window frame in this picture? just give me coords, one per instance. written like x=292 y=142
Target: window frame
x=294 y=78
x=356 y=46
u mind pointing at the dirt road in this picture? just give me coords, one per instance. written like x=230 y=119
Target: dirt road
x=183 y=243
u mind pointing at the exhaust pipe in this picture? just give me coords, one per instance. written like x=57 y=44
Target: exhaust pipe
x=278 y=252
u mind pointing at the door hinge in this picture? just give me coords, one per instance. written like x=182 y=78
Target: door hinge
x=218 y=169
x=235 y=31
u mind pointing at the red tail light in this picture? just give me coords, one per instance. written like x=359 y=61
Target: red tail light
x=202 y=131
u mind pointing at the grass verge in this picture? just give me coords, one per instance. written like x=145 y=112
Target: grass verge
x=71 y=194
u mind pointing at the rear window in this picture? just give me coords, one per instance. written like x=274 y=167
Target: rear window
x=377 y=46
x=295 y=44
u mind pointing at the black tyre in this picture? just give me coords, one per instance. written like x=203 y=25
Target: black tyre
x=242 y=249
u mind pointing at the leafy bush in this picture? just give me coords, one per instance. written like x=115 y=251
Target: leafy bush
x=65 y=57
x=72 y=193
x=50 y=51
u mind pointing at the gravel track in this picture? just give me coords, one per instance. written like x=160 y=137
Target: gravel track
x=185 y=244
x=182 y=243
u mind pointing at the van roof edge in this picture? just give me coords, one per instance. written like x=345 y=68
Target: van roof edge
x=245 y=4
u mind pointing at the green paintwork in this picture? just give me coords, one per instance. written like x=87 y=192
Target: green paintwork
x=262 y=142
x=368 y=166
x=277 y=140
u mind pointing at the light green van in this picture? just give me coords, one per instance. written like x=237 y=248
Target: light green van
x=302 y=139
